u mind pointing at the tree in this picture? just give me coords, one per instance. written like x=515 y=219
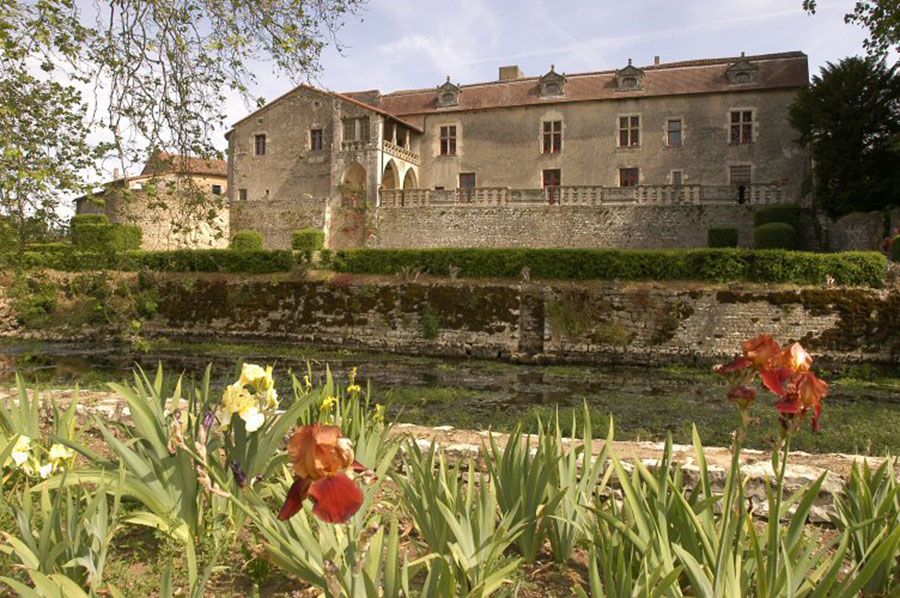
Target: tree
x=850 y=115
x=880 y=17
x=160 y=72
x=44 y=152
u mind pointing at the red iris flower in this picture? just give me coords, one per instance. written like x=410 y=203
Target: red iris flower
x=321 y=458
x=760 y=350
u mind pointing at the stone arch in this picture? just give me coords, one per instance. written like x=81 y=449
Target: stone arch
x=410 y=181
x=353 y=185
x=354 y=175
x=391 y=176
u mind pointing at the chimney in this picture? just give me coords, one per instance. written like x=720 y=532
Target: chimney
x=656 y=60
x=116 y=173
x=510 y=73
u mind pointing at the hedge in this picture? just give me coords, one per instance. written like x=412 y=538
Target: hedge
x=79 y=219
x=183 y=260
x=715 y=265
x=787 y=213
x=775 y=235
x=308 y=240
x=246 y=240
x=94 y=232
x=722 y=237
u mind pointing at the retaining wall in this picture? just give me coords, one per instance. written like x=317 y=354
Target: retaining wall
x=589 y=322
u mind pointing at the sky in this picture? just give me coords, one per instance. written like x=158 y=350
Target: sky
x=408 y=44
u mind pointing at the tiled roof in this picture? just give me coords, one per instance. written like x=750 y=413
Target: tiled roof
x=163 y=162
x=363 y=99
x=783 y=70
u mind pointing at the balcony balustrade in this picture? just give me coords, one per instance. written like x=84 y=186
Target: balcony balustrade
x=756 y=194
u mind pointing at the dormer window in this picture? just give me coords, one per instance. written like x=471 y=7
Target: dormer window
x=629 y=78
x=448 y=94
x=552 y=84
x=742 y=72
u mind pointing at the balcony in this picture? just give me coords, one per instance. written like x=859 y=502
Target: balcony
x=355 y=145
x=392 y=149
x=653 y=195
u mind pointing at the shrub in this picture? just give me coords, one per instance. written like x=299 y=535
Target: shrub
x=258 y=261
x=80 y=219
x=308 y=240
x=715 y=265
x=787 y=213
x=722 y=237
x=34 y=299
x=94 y=232
x=775 y=235
x=246 y=240
x=125 y=237
x=895 y=249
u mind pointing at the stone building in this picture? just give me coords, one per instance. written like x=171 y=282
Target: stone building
x=178 y=202
x=646 y=156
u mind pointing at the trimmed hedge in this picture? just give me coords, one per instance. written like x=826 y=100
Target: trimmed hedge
x=126 y=237
x=308 y=240
x=775 y=235
x=94 y=232
x=182 y=260
x=79 y=219
x=787 y=213
x=722 y=237
x=247 y=240
x=714 y=265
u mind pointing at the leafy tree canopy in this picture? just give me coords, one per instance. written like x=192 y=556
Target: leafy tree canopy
x=880 y=17
x=155 y=73
x=850 y=115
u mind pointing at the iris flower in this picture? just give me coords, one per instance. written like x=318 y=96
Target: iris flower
x=321 y=459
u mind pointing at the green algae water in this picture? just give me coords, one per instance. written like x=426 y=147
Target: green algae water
x=862 y=412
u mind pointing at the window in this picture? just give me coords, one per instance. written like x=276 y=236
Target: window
x=629 y=131
x=552 y=180
x=677 y=177
x=242 y=194
x=739 y=174
x=355 y=129
x=316 y=139
x=741 y=127
x=553 y=137
x=260 y=145
x=217 y=189
x=439 y=188
x=673 y=132
x=628 y=177
x=466 y=186
x=448 y=142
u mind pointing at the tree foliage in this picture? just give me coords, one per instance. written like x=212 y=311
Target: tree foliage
x=850 y=114
x=880 y=17
x=154 y=74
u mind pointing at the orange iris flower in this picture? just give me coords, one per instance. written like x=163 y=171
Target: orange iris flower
x=760 y=350
x=321 y=458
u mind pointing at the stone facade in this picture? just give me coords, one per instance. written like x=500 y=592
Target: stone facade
x=178 y=203
x=623 y=226
x=296 y=181
x=589 y=322
x=324 y=150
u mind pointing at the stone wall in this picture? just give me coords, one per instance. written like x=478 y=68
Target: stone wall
x=860 y=230
x=587 y=322
x=622 y=226
x=276 y=220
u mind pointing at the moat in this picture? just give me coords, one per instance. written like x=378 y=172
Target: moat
x=862 y=413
